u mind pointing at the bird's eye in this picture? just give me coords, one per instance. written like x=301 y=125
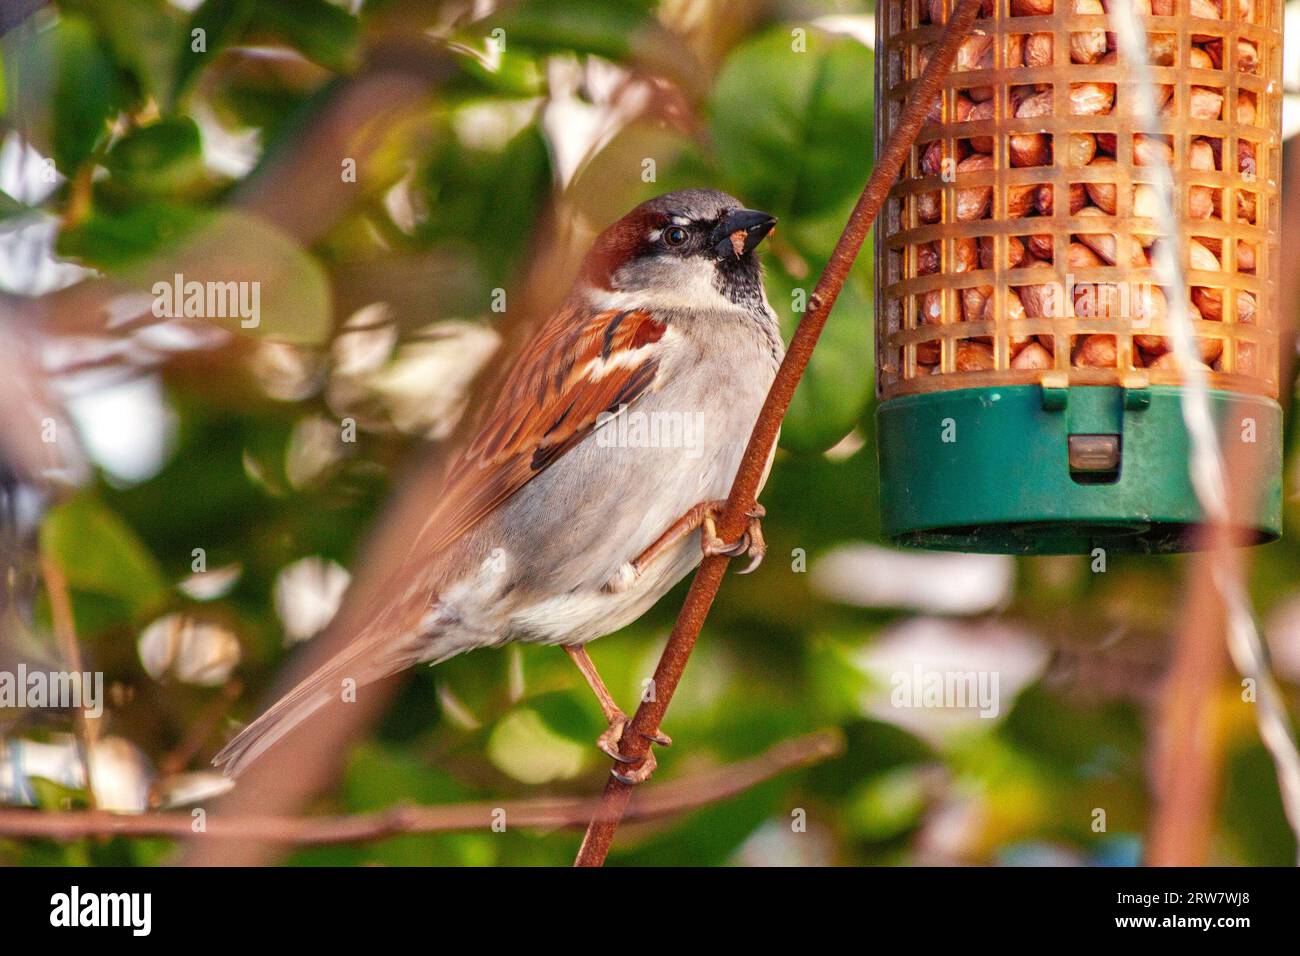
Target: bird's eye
x=675 y=235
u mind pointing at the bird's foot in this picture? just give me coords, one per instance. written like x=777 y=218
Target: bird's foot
x=638 y=770
x=750 y=542
x=608 y=742
x=635 y=769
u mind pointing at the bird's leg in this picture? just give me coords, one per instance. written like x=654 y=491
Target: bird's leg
x=608 y=741
x=703 y=515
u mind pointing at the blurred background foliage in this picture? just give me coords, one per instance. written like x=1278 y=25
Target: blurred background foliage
x=225 y=504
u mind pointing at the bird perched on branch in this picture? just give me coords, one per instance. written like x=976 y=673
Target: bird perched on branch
x=593 y=485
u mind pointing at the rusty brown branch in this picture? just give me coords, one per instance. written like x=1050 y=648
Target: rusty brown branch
x=744 y=491
x=656 y=801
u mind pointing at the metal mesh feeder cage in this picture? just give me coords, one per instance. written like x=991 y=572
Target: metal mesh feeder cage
x=1030 y=396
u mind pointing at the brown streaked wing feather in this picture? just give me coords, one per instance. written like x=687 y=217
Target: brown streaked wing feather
x=549 y=403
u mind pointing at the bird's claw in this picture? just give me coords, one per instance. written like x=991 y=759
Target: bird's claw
x=750 y=542
x=635 y=775
x=660 y=738
x=639 y=769
x=607 y=743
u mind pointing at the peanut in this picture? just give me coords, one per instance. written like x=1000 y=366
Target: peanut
x=1032 y=356
x=1038 y=50
x=1205 y=103
x=1083 y=148
x=1162 y=49
x=1200 y=155
x=1245 y=160
x=1102 y=194
x=1248 y=56
x=927 y=258
x=975 y=301
x=932 y=157
x=1246 y=108
x=974 y=357
x=1021 y=199
x=1088 y=46
x=1091 y=99
x=931 y=310
x=1096 y=351
x=1151 y=151
x=1246 y=252
x=973 y=202
x=1015 y=51
x=1146 y=205
x=1043 y=301
x=1246 y=308
x=981 y=111
x=1015 y=252
x=928 y=206
x=1202 y=202
x=1105 y=244
x=966 y=257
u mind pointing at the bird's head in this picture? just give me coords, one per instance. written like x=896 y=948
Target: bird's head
x=690 y=245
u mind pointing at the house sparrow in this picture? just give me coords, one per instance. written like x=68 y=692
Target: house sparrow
x=592 y=486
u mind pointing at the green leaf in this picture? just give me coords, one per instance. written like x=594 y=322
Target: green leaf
x=213 y=26
x=116 y=240
x=562 y=713
x=609 y=29
x=100 y=553
x=151 y=244
x=142 y=36
x=793 y=128
x=322 y=32
x=165 y=157
x=840 y=378
x=83 y=99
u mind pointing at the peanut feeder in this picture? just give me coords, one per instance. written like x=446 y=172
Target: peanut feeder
x=1030 y=394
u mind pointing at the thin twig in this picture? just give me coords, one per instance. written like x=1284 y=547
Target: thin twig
x=1215 y=492
x=656 y=801
x=744 y=491
x=65 y=632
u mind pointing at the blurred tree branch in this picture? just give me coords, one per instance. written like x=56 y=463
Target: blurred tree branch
x=744 y=491
x=656 y=801
x=1187 y=741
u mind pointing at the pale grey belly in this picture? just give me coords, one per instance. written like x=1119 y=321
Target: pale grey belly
x=607 y=500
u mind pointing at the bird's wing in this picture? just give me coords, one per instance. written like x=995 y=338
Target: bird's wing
x=577 y=367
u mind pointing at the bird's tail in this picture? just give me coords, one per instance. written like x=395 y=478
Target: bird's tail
x=361 y=663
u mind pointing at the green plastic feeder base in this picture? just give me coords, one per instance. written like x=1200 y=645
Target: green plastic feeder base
x=991 y=469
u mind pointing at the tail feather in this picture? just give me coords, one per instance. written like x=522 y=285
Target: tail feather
x=362 y=662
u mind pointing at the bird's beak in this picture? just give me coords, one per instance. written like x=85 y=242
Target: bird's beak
x=740 y=232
